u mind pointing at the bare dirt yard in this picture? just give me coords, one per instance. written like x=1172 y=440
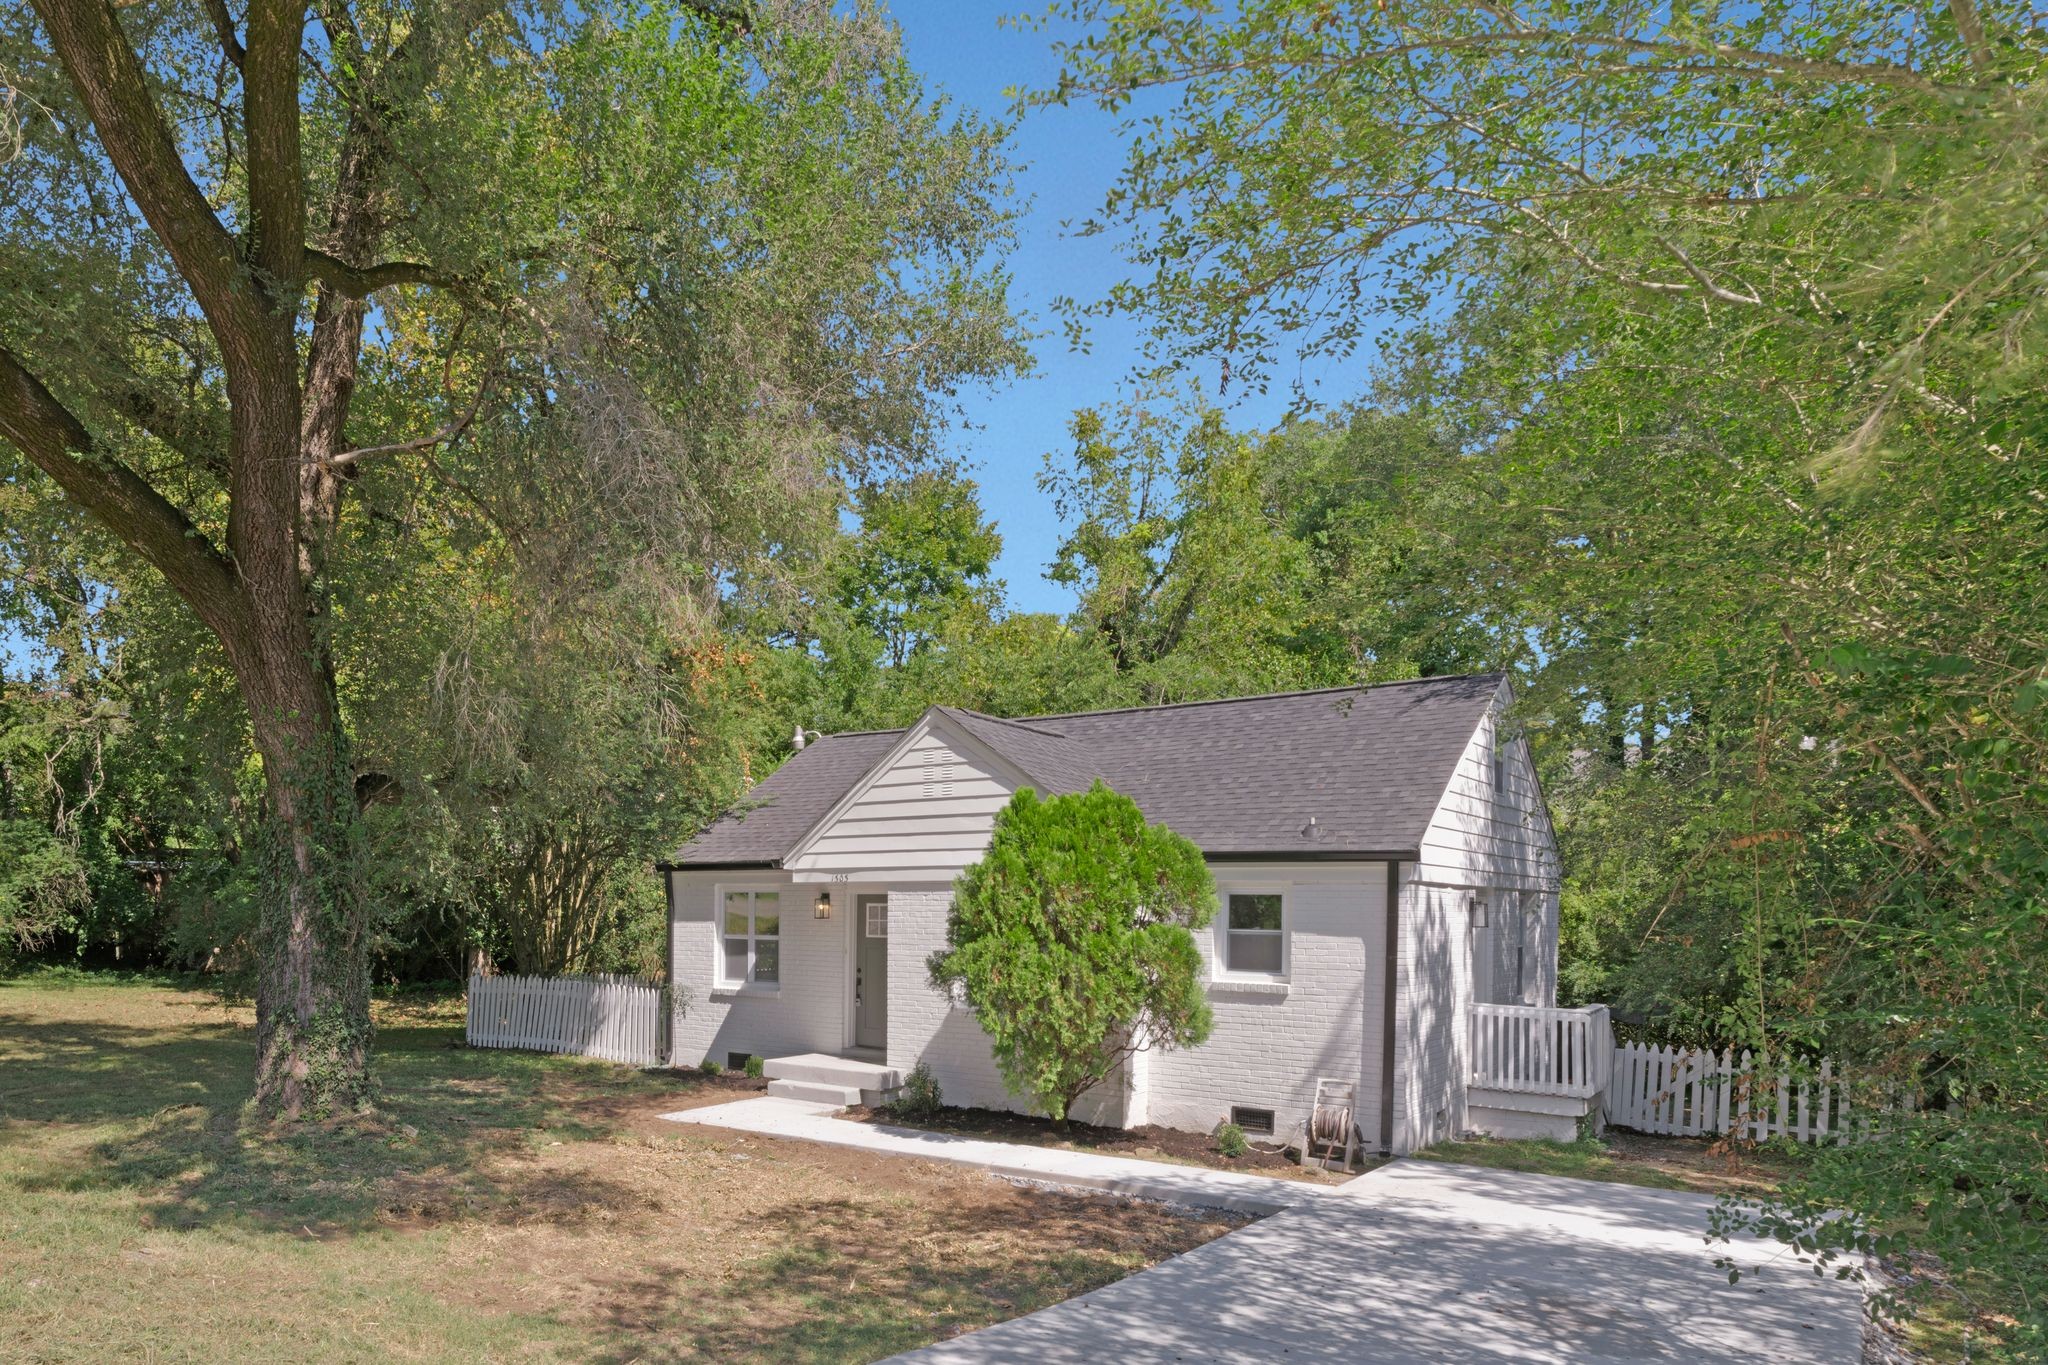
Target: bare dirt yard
x=497 y=1205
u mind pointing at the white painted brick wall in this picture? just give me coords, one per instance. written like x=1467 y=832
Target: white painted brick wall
x=806 y=1015
x=1432 y=1050
x=1267 y=1050
x=925 y=1025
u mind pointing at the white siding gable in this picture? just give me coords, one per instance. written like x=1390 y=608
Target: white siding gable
x=924 y=814
x=1487 y=832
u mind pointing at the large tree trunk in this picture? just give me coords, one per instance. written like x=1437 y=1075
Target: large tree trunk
x=258 y=593
x=312 y=989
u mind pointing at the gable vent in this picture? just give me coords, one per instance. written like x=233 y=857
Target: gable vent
x=938 y=774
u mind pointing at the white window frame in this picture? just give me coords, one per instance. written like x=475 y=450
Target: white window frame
x=1221 y=928
x=753 y=892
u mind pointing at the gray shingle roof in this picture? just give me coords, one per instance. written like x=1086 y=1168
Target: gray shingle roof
x=782 y=808
x=1238 y=777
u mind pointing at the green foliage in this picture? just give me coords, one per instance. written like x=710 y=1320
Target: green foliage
x=921 y=557
x=711 y=1067
x=919 y=1098
x=1072 y=941
x=755 y=1066
x=1230 y=1140
x=693 y=283
x=1730 y=318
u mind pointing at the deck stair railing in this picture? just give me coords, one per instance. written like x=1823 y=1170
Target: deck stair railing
x=1542 y=1050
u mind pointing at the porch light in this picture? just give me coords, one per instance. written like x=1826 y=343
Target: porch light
x=823 y=908
x=1478 y=912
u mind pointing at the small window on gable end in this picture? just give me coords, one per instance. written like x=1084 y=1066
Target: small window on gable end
x=1252 y=1120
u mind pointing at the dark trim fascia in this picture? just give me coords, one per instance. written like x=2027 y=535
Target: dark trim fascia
x=755 y=865
x=1315 y=855
x=1389 y=1016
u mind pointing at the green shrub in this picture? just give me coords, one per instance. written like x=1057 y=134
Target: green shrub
x=709 y=1067
x=1230 y=1140
x=1072 y=939
x=920 y=1097
x=755 y=1066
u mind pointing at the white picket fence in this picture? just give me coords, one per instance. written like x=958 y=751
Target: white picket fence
x=618 y=1018
x=1541 y=1049
x=1695 y=1092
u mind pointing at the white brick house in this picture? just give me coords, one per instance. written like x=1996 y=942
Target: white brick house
x=800 y=923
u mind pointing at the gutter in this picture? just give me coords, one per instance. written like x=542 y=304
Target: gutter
x=1314 y=855
x=737 y=865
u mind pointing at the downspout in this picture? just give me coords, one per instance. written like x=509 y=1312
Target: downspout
x=1390 y=991
x=668 y=971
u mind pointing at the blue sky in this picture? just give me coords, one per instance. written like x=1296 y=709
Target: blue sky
x=1068 y=157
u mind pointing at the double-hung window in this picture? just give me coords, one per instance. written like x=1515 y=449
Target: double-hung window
x=1254 y=933
x=751 y=939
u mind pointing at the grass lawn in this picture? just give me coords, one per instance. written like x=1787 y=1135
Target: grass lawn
x=498 y=1205
x=1663 y=1163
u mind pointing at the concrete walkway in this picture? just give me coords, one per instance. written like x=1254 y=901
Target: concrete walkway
x=1195 y=1186
x=1419 y=1261
x=1415 y=1261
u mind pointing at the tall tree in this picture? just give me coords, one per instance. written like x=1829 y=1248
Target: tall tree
x=922 y=555
x=662 y=265
x=1735 y=311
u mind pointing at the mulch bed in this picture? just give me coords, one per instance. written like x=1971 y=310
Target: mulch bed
x=1150 y=1142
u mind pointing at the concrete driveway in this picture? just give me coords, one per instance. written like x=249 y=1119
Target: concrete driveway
x=1424 y=1261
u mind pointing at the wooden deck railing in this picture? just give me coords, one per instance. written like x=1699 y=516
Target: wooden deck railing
x=1542 y=1050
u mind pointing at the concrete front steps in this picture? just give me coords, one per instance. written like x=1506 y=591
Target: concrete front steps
x=820 y=1078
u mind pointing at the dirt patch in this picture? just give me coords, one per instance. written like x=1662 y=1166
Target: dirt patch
x=731 y=1246
x=1148 y=1143
x=532 y=1202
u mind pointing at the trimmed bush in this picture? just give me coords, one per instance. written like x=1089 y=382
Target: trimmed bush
x=1072 y=939
x=920 y=1097
x=1230 y=1140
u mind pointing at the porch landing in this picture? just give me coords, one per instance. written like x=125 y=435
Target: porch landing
x=821 y=1078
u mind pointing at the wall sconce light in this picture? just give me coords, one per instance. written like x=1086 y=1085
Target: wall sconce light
x=823 y=908
x=1478 y=912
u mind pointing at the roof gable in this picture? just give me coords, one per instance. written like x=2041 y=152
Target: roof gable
x=938 y=724
x=1342 y=772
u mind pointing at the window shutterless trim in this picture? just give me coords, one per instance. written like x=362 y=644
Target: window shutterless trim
x=722 y=983
x=1224 y=973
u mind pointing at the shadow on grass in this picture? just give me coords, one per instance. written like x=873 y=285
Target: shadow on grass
x=846 y=1284
x=161 y=1109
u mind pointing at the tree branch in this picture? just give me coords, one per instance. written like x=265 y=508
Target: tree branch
x=270 y=119
x=1970 y=28
x=224 y=28
x=58 y=444
x=358 y=282
x=452 y=432
x=104 y=71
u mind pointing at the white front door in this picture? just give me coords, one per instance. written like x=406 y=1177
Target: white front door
x=871 y=971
